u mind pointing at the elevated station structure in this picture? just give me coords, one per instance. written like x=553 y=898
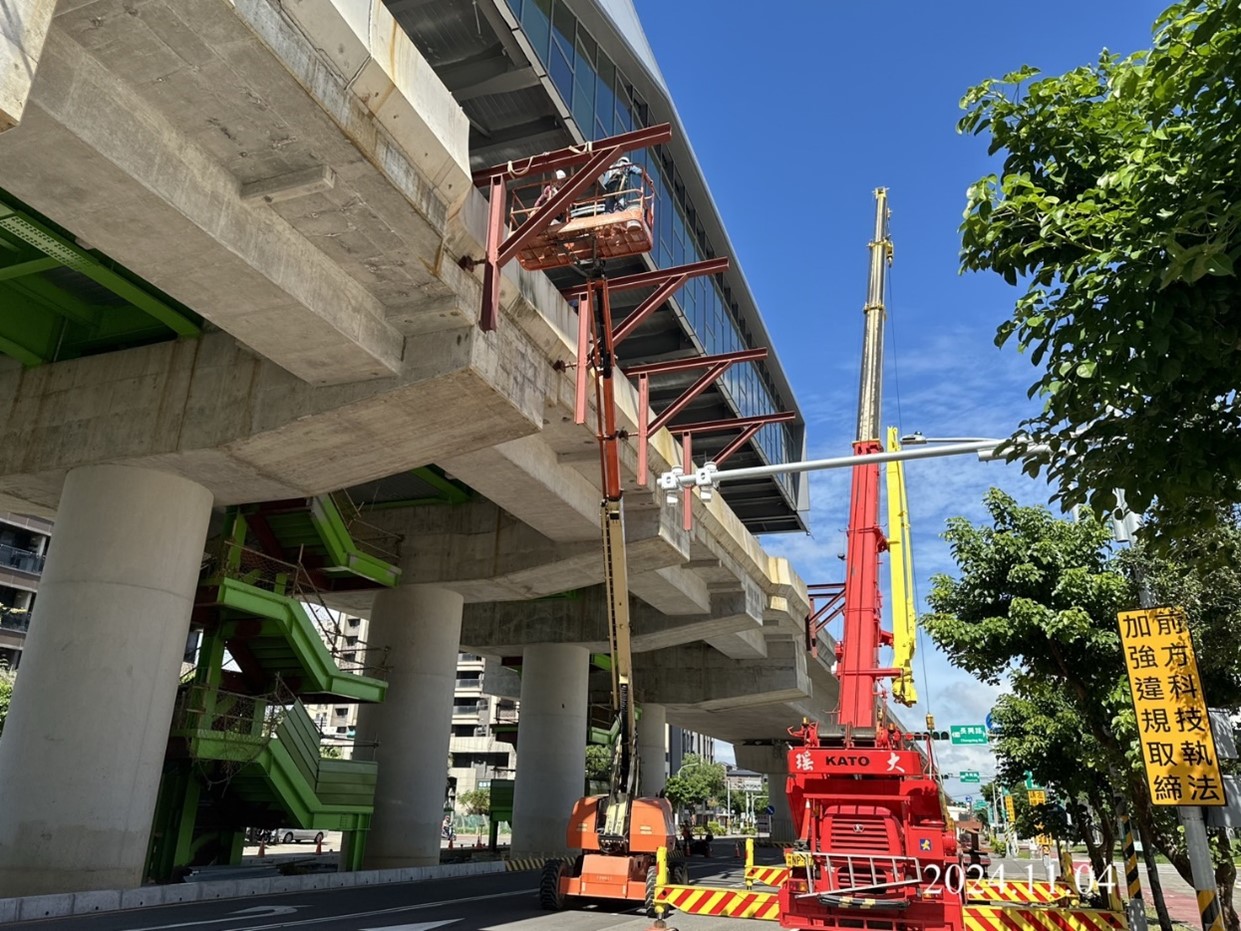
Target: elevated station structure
x=239 y=249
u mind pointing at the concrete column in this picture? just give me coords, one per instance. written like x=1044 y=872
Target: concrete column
x=23 y=27
x=653 y=749
x=85 y=737
x=551 y=745
x=777 y=798
x=420 y=628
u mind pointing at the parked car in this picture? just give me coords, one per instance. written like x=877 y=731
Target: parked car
x=297 y=835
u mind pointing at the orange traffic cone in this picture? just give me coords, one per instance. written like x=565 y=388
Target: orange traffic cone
x=319 y=845
x=450 y=843
x=263 y=846
x=737 y=850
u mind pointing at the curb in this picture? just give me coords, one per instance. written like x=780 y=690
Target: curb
x=61 y=905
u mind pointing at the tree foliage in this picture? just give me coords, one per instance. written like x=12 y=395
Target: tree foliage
x=598 y=763
x=1036 y=603
x=7 y=678
x=697 y=782
x=1118 y=210
x=476 y=801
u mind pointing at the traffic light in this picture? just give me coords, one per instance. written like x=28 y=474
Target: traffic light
x=928 y=735
x=450 y=794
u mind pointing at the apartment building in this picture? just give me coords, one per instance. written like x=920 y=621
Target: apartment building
x=23 y=549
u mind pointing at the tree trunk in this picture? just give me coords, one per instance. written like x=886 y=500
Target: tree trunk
x=1225 y=880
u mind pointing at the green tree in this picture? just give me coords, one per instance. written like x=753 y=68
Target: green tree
x=1036 y=602
x=7 y=678
x=697 y=782
x=476 y=801
x=1118 y=211
x=598 y=763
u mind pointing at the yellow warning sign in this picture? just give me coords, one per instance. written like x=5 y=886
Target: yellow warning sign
x=1010 y=807
x=1037 y=797
x=1178 y=749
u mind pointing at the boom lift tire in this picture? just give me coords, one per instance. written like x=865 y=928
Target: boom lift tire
x=652 y=877
x=551 y=898
x=678 y=869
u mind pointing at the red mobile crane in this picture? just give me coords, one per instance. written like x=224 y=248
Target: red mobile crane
x=874 y=848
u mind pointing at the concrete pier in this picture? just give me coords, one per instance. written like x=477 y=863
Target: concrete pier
x=551 y=746
x=85 y=737
x=415 y=632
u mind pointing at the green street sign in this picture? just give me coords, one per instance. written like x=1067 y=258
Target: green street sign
x=980 y=805
x=970 y=775
x=968 y=734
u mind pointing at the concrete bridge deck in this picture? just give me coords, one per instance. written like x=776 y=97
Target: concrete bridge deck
x=298 y=176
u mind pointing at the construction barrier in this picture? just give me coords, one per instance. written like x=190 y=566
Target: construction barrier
x=725 y=903
x=522 y=864
x=767 y=875
x=1011 y=918
x=1023 y=891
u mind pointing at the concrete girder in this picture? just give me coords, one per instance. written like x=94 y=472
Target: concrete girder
x=21 y=45
x=696 y=674
x=485 y=554
x=145 y=126
x=507 y=628
x=247 y=430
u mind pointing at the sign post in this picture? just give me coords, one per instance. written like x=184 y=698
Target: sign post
x=1174 y=729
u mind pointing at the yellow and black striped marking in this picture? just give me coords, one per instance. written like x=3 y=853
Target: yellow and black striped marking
x=1028 y=892
x=724 y=902
x=524 y=863
x=767 y=875
x=1017 y=918
x=1208 y=905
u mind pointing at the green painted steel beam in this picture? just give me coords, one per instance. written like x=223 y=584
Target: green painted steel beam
x=344 y=553
x=31 y=338
x=71 y=255
x=449 y=491
x=28 y=267
x=55 y=299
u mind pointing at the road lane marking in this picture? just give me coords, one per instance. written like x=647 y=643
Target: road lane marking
x=369 y=914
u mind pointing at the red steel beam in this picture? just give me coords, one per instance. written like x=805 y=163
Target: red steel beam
x=570 y=156
x=715 y=365
x=592 y=158
x=691 y=362
x=666 y=281
x=715 y=426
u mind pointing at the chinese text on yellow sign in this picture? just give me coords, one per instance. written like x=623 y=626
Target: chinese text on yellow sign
x=1173 y=725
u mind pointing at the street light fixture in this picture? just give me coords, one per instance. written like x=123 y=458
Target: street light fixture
x=709 y=476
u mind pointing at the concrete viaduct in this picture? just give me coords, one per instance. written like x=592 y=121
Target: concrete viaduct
x=315 y=221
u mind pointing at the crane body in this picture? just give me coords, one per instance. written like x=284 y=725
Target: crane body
x=873 y=844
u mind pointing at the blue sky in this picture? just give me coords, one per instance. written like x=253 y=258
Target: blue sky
x=796 y=114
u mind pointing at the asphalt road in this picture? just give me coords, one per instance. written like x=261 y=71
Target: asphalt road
x=496 y=902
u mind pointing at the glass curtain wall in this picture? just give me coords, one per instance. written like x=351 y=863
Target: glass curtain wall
x=603 y=104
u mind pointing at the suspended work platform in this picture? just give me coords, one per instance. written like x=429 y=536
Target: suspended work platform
x=588 y=236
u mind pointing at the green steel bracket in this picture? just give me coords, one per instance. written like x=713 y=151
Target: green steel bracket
x=69 y=254
x=342 y=551
x=299 y=632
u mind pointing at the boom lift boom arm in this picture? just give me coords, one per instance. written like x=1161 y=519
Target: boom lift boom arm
x=614 y=831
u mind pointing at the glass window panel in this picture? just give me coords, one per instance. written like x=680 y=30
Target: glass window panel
x=584 y=102
x=586 y=49
x=564 y=26
x=536 y=22
x=624 y=118
x=562 y=73
x=605 y=106
x=515 y=6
